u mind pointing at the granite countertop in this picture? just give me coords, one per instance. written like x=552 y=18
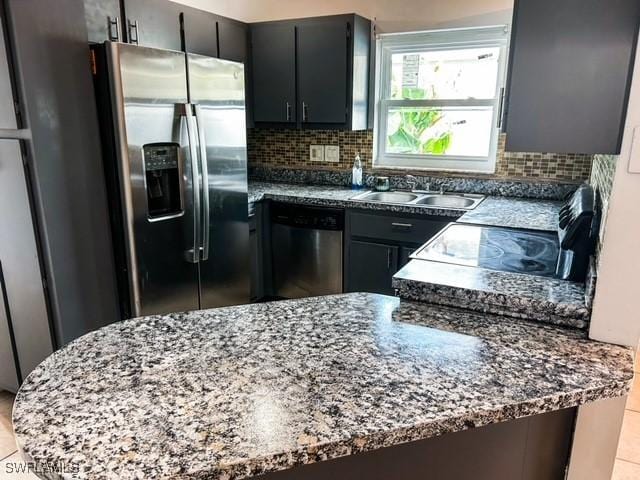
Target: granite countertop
x=239 y=391
x=336 y=197
x=515 y=213
x=496 y=211
x=518 y=295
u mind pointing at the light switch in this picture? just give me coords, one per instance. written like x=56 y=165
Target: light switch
x=316 y=153
x=332 y=153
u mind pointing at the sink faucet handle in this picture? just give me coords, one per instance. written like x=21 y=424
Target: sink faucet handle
x=411 y=181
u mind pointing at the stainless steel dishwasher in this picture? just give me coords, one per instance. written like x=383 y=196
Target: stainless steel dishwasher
x=306 y=244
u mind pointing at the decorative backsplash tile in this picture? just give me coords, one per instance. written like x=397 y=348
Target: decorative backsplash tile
x=602 y=174
x=290 y=149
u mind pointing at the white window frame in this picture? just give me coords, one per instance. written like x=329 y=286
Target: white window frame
x=386 y=46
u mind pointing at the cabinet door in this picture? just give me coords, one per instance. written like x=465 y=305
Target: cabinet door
x=274 y=76
x=405 y=252
x=199 y=30
x=322 y=70
x=569 y=74
x=233 y=38
x=103 y=20
x=371 y=267
x=153 y=23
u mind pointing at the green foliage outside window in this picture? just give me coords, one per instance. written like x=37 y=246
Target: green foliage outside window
x=413 y=134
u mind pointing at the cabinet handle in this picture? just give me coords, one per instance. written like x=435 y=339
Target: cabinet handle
x=500 y=107
x=304 y=111
x=133 y=26
x=402 y=226
x=114 y=29
x=389 y=255
x=288 y=112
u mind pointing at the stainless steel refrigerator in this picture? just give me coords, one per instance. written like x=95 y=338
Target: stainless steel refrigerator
x=175 y=152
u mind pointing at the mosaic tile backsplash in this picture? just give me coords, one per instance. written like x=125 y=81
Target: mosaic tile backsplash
x=290 y=149
x=602 y=174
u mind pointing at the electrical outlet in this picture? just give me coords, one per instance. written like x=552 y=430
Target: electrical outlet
x=316 y=153
x=332 y=153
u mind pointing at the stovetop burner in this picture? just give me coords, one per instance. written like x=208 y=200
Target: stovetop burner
x=534 y=253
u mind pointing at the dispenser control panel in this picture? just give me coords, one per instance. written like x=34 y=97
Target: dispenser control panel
x=163 y=183
x=160 y=157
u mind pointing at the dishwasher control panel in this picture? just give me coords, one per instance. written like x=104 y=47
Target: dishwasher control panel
x=307 y=217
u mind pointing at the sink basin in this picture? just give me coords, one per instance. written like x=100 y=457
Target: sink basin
x=422 y=198
x=446 y=201
x=389 y=197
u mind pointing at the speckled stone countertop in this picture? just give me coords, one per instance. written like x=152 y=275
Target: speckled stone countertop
x=337 y=197
x=515 y=213
x=530 y=297
x=497 y=211
x=234 y=392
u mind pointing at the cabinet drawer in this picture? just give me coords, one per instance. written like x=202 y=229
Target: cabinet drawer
x=399 y=229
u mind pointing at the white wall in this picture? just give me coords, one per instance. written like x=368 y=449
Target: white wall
x=616 y=307
x=390 y=15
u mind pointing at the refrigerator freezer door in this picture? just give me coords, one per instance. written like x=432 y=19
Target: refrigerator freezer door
x=153 y=128
x=25 y=298
x=217 y=91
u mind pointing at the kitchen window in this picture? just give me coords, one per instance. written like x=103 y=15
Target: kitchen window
x=438 y=96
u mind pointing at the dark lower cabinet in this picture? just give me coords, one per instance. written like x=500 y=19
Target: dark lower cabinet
x=274 y=72
x=405 y=252
x=371 y=267
x=153 y=23
x=103 y=20
x=529 y=448
x=379 y=244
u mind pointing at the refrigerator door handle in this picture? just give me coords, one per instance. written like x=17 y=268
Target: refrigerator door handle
x=193 y=254
x=204 y=253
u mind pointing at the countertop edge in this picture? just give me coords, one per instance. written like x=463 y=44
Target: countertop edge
x=331 y=451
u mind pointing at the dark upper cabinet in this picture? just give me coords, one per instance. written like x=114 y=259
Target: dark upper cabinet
x=312 y=73
x=199 y=30
x=103 y=20
x=153 y=23
x=322 y=71
x=233 y=38
x=274 y=72
x=569 y=76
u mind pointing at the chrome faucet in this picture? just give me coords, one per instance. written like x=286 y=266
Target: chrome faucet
x=411 y=181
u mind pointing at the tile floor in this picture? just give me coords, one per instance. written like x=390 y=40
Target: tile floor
x=627 y=465
x=9 y=457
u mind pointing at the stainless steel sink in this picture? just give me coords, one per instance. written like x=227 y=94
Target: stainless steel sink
x=388 y=197
x=422 y=198
x=446 y=201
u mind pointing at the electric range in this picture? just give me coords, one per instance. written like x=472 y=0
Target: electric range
x=494 y=248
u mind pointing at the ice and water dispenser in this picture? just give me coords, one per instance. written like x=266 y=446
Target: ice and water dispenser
x=163 y=184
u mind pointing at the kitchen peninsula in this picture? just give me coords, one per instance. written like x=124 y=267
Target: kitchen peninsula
x=235 y=392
